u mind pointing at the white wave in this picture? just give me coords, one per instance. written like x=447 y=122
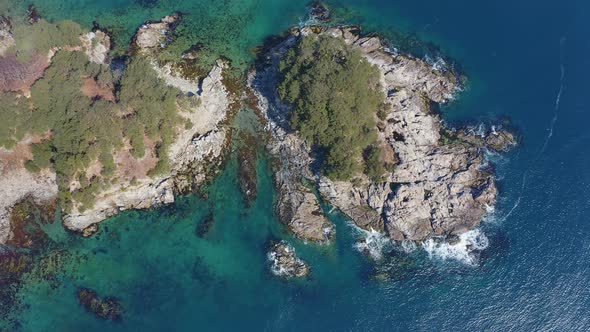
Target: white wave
x=307 y=22
x=408 y=246
x=374 y=244
x=437 y=63
x=559 y=93
x=463 y=250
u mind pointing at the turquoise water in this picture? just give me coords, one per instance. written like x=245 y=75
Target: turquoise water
x=528 y=60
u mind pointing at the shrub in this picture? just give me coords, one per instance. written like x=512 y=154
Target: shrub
x=374 y=167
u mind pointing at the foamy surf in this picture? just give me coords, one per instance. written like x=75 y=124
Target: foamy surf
x=375 y=244
x=462 y=250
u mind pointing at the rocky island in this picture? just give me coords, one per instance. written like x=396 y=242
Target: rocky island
x=432 y=180
x=350 y=123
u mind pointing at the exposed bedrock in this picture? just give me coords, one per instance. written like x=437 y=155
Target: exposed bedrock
x=441 y=184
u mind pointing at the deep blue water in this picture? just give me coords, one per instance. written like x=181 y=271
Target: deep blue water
x=526 y=60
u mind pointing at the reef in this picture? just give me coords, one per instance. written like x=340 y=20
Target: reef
x=104 y=308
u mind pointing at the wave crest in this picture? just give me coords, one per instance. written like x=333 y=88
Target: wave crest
x=462 y=250
x=375 y=244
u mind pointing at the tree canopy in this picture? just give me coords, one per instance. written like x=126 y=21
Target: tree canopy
x=334 y=93
x=86 y=127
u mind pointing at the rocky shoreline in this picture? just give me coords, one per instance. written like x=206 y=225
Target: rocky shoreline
x=441 y=185
x=196 y=153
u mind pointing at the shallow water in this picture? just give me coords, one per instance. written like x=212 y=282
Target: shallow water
x=532 y=276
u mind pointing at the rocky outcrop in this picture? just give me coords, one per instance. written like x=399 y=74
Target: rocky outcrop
x=96 y=46
x=6 y=39
x=439 y=187
x=285 y=263
x=16 y=184
x=441 y=184
x=193 y=154
x=152 y=35
x=194 y=151
x=297 y=205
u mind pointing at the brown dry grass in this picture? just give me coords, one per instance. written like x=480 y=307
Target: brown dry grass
x=14 y=159
x=16 y=76
x=91 y=88
x=130 y=168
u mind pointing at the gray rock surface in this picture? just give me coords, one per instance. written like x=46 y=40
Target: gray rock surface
x=285 y=263
x=297 y=206
x=192 y=154
x=152 y=35
x=441 y=184
x=6 y=39
x=96 y=46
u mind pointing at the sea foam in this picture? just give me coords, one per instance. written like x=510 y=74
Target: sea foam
x=375 y=244
x=463 y=250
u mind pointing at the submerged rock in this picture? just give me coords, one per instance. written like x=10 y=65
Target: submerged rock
x=205 y=225
x=285 y=263
x=319 y=11
x=247 y=174
x=104 y=308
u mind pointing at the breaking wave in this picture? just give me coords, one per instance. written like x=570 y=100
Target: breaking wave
x=375 y=244
x=437 y=63
x=462 y=250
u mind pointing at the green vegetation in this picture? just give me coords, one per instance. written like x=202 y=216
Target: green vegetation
x=374 y=166
x=335 y=95
x=15 y=119
x=83 y=129
x=40 y=37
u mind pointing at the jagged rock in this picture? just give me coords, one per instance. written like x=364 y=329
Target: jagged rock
x=494 y=138
x=96 y=46
x=297 y=206
x=285 y=263
x=439 y=186
x=153 y=35
x=104 y=308
x=193 y=153
x=90 y=230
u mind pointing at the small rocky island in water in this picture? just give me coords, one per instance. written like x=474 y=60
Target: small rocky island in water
x=350 y=122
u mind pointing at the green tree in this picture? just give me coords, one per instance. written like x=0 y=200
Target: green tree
x=334 y=93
